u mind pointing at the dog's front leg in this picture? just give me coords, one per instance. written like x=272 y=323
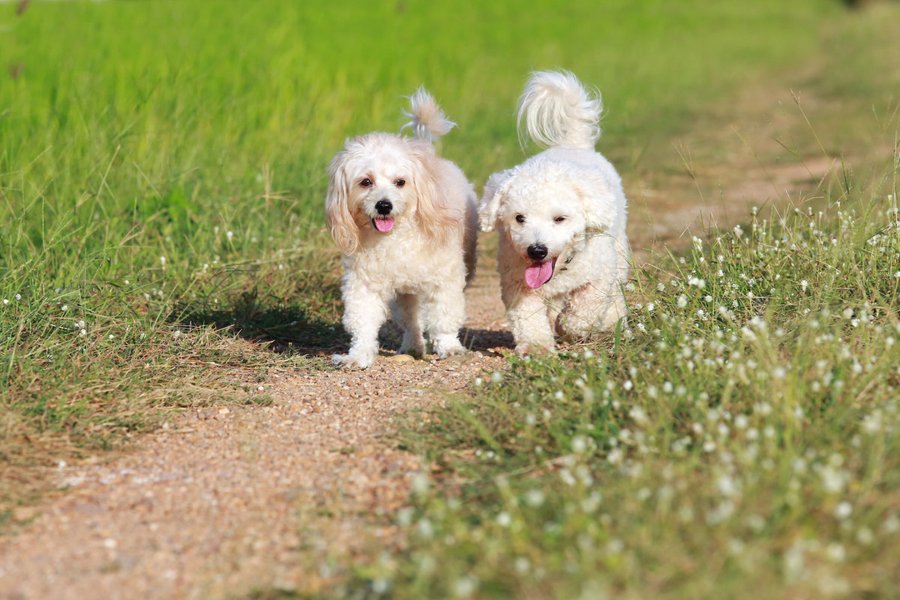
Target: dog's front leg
x=364 y=313
x=591 y=309
x=445 y=312
x=530 y=324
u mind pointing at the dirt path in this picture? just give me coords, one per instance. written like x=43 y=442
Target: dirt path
x=228 y=500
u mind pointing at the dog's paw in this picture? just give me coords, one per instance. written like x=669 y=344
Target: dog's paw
x=416 y=349
x=449 y=346
x=352 y=361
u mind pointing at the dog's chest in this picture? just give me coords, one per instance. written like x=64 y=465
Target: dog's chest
x=404 y=265
x=575 y=268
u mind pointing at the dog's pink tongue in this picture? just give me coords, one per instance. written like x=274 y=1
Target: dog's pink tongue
x=538 y=274
x=384 y=225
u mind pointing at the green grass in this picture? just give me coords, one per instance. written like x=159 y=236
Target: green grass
x=162 y=169
x=739 y=439
x=747 y=450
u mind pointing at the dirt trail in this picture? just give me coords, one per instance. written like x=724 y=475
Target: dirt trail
x=226 y=501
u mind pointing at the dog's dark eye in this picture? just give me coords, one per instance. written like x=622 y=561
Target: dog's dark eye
x=520 y=218
x=400 y=183
x=559 y=219
x=366 y=182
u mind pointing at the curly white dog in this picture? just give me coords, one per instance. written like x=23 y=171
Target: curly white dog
x=405 y=221
x=563 y=253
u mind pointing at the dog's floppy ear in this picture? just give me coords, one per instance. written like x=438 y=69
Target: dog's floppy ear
x=436 y=216
x=598 y=202
x=494 y=192
x=340 y=220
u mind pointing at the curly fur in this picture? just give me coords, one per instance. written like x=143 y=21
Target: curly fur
x=566 y=201
x=419 y=266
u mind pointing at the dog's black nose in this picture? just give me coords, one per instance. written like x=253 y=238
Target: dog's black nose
x=537 y=252
x=384 y=207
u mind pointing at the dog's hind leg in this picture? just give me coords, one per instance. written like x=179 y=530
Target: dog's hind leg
x=405 y=311
x=445 y=313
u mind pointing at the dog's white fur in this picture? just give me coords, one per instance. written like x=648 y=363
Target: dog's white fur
x=569 y=199
x=419 y=268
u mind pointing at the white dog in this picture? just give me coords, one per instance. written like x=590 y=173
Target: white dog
x=563 y=253
x=405 y=221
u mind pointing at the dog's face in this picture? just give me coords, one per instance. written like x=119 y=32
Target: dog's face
x=541 y=224
x=543 y=211
x=373 y=186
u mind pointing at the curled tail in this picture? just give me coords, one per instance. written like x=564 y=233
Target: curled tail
x=556 y=110
x=426 y=118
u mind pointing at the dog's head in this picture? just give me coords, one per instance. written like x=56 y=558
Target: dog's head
x=543 y=208
x=376 y=182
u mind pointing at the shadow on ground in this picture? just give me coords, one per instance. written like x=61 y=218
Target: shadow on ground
x=292 y=328
x=295 y=329
x=489 y=341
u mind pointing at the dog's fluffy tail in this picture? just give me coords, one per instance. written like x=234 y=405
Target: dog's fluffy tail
x=556 y=110
x=426 y=118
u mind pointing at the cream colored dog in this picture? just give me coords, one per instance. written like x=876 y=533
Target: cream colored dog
x=405 y=221
x=563 y=253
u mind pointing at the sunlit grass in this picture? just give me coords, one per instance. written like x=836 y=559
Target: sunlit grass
x=161 y=177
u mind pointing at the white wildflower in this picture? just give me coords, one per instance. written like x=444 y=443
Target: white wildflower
x=465 y=586
x=843 y=510
x=835 y=552
x=522 y=565
x=420 y=484
x=638 y=415
x=579 y=444
x=534 y=498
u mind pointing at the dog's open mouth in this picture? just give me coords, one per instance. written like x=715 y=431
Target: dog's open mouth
x=539 y=273
x=383 y=224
